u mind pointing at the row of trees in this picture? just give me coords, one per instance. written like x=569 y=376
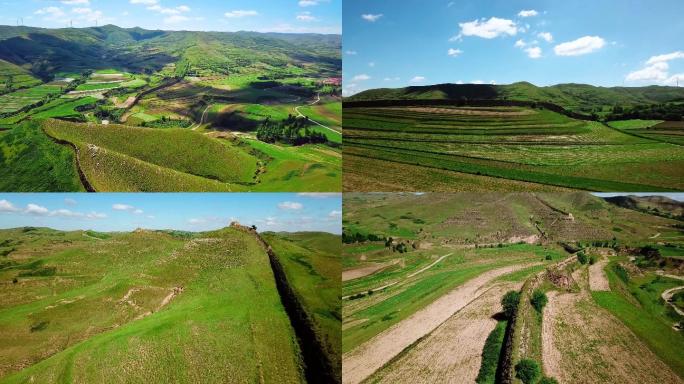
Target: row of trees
x=293 y=130
x=667 y=111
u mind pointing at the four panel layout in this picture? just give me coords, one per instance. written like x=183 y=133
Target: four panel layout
x=446 y=192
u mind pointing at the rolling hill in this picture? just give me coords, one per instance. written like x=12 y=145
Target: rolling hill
x=574 y=97
x=152 y=306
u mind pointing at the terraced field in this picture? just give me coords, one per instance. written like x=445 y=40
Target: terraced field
x=503 y=148
x=14 y=101
x=142 y=307
x=427 y=275
x=16 y=76
x=666 y=131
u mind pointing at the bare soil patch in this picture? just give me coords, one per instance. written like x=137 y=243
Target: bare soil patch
x=370 y=356
x=453 y=352
x=366 y=270
x=582 y=343
x=465 y=111
x=597 y=276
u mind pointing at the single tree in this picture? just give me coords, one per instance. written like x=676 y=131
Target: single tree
x=527 y=370
x=539 y=300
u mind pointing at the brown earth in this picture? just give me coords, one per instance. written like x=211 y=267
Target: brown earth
x=366 y=270
x=452 y=353
x=598 y=281
x=370 y=356
x=582 y=343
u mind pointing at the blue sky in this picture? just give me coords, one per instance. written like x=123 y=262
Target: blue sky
x=602 y=42
x=289 y=212
x=673 y=196
x=292 y=16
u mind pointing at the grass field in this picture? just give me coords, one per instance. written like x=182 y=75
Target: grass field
x=665 y=131
x=142 y=307
x=15 y=75
x=312 y=264
x=14 y=101
x=31 y=162
x=638 y=305
x=503 y=144
x=147 y=159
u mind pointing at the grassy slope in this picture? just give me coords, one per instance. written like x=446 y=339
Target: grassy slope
x=30 y=161
x=311 y=262
x=643 y=318
x=227 y=325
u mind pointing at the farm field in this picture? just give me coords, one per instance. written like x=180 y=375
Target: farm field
x=427 y=276
x=166 y=80
x=149 y=306
x=506 y=148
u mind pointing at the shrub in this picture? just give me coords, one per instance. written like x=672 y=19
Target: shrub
x=527 y=370
x=548 y=257
x=510 y=303
x=581 y=257
x=539 y=300
x=547 y=380
x=592 y=259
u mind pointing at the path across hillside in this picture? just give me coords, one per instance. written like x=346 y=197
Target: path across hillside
x=370 y=356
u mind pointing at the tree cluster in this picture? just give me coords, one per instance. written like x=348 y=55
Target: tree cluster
x=293 y=130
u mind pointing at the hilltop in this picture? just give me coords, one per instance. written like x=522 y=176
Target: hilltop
x=575 y=97
x=45 y=51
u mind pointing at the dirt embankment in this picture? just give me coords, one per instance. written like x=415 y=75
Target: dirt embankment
x=84 y=180
x=453 y=352
x=582 y=343
x=370 y=356
x=318 y=367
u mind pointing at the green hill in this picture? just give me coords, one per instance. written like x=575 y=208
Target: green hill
x=146 y=306
x=575 y=97
x=46 y=51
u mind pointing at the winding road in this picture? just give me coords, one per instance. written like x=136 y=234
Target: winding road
x=299 y=114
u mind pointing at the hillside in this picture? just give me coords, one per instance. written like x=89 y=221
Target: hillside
x=452 y=287
x=575 y=97
x=46 y=51
x=659 y=205
x=146 y=306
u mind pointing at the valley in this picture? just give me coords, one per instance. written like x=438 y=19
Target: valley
x=267 y=103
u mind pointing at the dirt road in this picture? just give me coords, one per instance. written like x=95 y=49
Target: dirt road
x=582 y=343
x=370 y=356
x=452 y=353
x=598 y=281
x=356 y=273
x=299 y=114
x=204 y=115
x=667 y=295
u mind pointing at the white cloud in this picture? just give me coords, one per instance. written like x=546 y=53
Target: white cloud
x=418 y=79
x=666 y=57
x=290 y=205
x=50 y=13
x=392 y=79
x=308 y=3
x=145 y=2
x=528 y=13
x=6 y=206
x=306 y=16
x=677 y=80
x=138 y=212
x=533 y=52
x=520 y=44
x=371 y=17
x=69 y=201
x=95 y=215
x=657 y=69
x=175 y=19
x=197 y=221
x=349 y=89
x=66 y=213
x=546 y=36
x=371 y=64
x=454 y=52
x=655 y=72
x=335 y=213
x=361 y=77
x=581 y=46
x=35 y=209
x=87 y=14
x=122 y=207
x=183 y=8
x=488 y=29
x=477 y=82
x=351 y=53
x=241 y=13
x=75 y=2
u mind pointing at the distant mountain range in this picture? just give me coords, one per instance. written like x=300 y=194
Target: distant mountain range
x=653 y=204
x=576 y=97
x=46 y=51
